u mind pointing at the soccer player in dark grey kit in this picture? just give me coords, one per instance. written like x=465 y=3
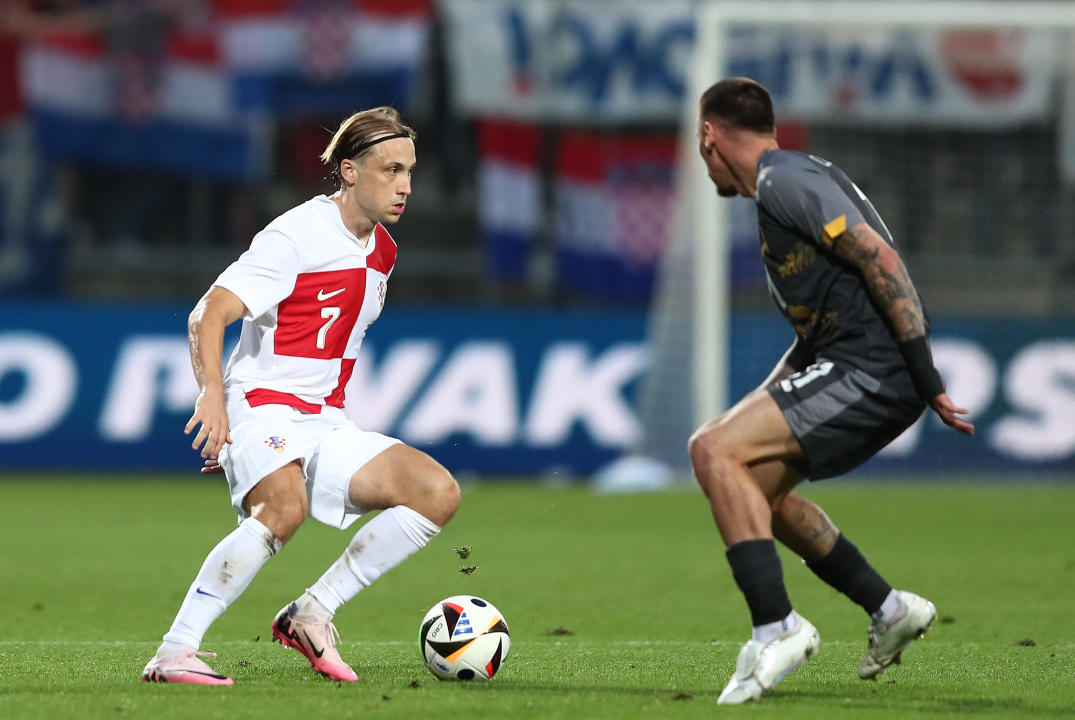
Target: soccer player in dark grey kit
x=858 y=374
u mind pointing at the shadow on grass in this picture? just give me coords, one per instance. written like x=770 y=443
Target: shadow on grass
x=916 y=703
x=865 y=701
x=658 y=693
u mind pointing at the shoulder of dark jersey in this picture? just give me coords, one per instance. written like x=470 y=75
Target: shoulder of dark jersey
x=790 y=165
x=784 y=172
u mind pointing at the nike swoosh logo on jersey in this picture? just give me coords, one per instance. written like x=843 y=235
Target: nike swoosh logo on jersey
x=322 y=295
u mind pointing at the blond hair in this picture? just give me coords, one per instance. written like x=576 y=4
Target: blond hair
x=353 y=138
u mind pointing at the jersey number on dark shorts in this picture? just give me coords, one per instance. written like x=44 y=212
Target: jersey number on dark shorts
x=798 y=380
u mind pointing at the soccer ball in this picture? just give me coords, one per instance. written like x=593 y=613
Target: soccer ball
x=464 y=638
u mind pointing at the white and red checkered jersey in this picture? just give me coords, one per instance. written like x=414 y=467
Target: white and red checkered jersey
x=311 y=290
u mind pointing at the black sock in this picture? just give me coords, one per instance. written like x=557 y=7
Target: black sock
x=758 y=573
x=849 y=572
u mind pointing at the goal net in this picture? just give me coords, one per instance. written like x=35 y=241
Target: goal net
x=956 y=119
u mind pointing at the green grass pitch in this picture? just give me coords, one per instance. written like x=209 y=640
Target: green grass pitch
x=619 y=606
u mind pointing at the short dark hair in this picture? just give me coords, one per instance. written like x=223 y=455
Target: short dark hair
x=741 y=103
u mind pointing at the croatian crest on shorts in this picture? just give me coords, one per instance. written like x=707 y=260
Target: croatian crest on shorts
x=276 y=443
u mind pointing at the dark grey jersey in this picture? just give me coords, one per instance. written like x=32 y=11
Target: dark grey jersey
x=805 y=203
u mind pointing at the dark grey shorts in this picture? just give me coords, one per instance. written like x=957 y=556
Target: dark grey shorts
x=842 y=415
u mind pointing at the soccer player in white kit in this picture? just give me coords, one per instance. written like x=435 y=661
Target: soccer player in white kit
x=306 y=290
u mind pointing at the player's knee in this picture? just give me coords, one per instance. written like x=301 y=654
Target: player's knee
x=444 y=495
x=708 y=446
x=712 y=457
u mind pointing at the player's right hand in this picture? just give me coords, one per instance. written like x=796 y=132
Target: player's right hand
x=211 y=413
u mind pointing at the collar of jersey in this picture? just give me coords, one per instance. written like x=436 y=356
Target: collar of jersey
x=331 y=214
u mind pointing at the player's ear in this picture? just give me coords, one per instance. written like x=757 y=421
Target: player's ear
x=348 y=170
x=707 y=135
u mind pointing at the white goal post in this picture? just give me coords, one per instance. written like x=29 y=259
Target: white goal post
x=709 y=214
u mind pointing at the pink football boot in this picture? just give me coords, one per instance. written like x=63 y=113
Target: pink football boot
x=313 y=638
x=183 y=667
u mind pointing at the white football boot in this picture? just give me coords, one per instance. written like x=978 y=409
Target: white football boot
x=761 y=666
x=888 y=640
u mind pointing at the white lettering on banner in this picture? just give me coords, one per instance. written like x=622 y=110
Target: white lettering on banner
x=51 y=377
x=627 y=61
x=885 y=75
x=474 y=394
x=1040 y=381
x=147 y=365
x=375 y=399
x=476 y=391
x=622 y=61
x=970 y=377
x=571 y=387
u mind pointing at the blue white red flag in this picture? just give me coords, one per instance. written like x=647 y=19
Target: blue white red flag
x=323 y=56
x=613 y=204
x=509 y=191
x=171 y=109
x=190 y=101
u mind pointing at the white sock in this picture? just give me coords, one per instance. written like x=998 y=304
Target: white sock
x=226 y=572
x=888 y=608
x=771 y=631
x=380 y=545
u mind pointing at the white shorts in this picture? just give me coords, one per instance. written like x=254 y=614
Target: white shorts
x=330 y=446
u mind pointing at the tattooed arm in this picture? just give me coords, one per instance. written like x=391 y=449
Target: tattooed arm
x=886 y=279
x=890 y=286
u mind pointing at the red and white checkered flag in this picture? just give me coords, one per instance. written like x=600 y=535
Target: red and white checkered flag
x=327 y=33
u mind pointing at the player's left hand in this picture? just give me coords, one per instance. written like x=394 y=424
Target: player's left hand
x=211 y=466
x=947 y=410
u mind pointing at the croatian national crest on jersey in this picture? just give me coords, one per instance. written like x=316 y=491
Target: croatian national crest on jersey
x=276 y=443
x=382 y=286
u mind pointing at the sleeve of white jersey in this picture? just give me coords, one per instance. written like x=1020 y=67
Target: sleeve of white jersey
x=265 y=274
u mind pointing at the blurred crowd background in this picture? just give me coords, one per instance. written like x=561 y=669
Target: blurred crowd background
x=144 y=142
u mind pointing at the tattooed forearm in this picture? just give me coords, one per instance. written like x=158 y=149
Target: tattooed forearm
x=886 y=279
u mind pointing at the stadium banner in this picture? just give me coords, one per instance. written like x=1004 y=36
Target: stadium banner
x=109 y=387
x=625 y=62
